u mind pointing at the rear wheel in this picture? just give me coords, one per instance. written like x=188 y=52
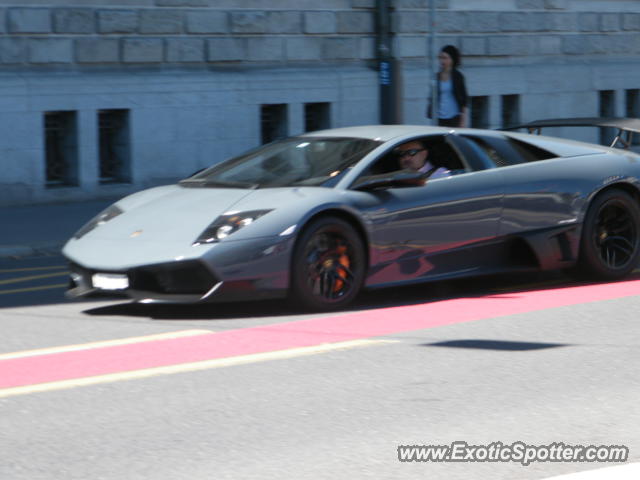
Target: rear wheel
x=328 y=265
x=610 y=244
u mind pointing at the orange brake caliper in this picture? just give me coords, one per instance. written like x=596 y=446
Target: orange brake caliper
x=344 y=261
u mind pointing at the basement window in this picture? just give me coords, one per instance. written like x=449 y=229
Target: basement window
x=114 y=139
x=317 y=116
x=480 y=112
x=607 y=109
x=61 y=149
x=273 y=122
x=510 y=110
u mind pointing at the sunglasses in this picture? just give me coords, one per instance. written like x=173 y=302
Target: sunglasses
x=411 y=153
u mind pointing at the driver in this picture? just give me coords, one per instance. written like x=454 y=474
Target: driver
x=413 y=156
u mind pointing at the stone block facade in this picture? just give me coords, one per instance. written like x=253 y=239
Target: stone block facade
x=192 y=76
x=194 y=23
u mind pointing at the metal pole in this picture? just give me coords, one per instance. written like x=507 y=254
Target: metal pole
x=387 y=66
x=434 y=62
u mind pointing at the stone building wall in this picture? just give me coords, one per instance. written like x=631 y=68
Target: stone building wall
x=194 y=80
x=259 y=32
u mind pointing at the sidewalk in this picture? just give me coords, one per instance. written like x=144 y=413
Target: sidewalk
x=43 y=229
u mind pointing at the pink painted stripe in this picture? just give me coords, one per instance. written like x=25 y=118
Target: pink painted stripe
x=304 y=333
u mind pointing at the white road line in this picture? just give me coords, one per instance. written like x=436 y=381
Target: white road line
x=104 y=343
x=188 y=367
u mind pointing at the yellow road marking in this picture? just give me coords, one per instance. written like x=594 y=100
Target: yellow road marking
x=33 y=277
x=31 y=269
x=188 y=367
x=104 y=343
x=33 y=289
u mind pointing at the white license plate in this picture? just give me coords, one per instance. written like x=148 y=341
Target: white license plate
x=110 y=281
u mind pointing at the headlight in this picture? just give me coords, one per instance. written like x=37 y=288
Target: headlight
x=98 y=220
x=227 y=224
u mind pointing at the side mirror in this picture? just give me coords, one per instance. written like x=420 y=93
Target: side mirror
x=401 y=178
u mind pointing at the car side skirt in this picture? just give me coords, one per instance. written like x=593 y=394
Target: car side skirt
x=546 y=249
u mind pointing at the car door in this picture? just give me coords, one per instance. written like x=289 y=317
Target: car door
x=413 y=229
x=542 y=198
x=540 y=192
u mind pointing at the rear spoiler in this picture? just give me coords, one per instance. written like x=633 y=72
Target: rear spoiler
x=626 y=126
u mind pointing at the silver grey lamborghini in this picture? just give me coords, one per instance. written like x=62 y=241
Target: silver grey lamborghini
x=320 y=216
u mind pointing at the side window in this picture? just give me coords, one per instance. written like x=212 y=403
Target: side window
x=497 y=150
x=440 y=154
x=530 y=153
x=505 y=151
x=476 y=156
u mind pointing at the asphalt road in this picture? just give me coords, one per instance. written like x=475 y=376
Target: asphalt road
x=276 y=393
x=32 y=281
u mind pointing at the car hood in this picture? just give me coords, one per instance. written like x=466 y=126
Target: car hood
x=173 y=214
x=161 y=224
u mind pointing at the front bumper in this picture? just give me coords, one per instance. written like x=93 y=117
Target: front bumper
x=232 y=271
x=184 y=282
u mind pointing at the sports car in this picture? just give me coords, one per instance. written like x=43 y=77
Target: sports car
x=320 y=216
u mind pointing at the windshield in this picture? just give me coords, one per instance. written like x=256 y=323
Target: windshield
x=304 y=161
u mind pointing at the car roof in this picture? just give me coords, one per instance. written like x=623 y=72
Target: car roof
x=384 y=133
x=378 y=132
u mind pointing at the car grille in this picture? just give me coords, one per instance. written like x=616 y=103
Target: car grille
x=184 y=278
x=190 y=278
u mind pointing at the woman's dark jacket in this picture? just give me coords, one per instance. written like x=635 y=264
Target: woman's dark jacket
x=459 y=91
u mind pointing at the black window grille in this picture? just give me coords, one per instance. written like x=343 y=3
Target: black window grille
x=61 y=149
x=113 y=132
x=273 y=119
x=607 y=109
x=480 y=112
x=510 y=110
x=317 y=116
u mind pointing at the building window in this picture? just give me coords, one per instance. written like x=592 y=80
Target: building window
x=61 y=149
x=607 y=109
x=633 y=103
x=510 y=110
x=273 y=120
x=113 y=133
x=317 y=116
x=480 y=112
x=633 y=110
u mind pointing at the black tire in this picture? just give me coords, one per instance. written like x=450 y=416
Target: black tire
x=610 y=243
x=328 y=265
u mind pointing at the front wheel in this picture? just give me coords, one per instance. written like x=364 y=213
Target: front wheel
x=610 y=244
x=328 y=265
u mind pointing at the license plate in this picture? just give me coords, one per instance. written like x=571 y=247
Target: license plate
x=110 y=281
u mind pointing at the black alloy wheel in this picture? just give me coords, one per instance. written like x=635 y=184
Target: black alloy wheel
x=328 y=265
x=610 y=244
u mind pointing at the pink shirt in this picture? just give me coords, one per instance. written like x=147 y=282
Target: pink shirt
x=440 y=172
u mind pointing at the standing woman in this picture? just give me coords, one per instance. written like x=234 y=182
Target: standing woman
x=452 y=91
